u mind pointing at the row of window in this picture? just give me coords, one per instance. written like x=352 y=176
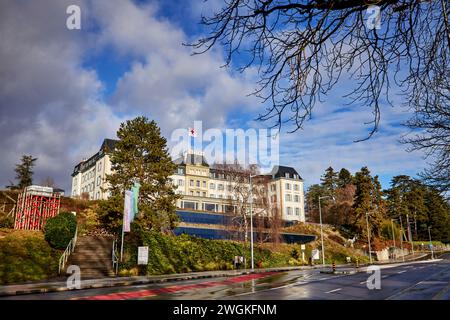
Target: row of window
x=288 y=197
x=290 y=211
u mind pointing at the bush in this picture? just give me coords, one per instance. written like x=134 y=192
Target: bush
x=60 y=230
x=26 y=256
x=6 y=222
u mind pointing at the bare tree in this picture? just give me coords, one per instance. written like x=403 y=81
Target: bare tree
x=303 y=48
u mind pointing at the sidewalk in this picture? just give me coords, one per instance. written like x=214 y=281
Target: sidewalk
x=60 y=285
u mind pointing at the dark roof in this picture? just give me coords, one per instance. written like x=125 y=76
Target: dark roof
x=284 y=172
x=191 y=159
x=107 y=147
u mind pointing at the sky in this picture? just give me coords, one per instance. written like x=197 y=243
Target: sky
x=63 y=91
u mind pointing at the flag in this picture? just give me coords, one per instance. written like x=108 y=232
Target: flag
x=127 y=210
x=192 y=132
x=135 y=191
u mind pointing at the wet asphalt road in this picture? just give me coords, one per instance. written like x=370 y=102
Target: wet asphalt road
x=419 y=280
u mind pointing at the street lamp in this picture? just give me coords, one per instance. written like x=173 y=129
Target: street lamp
x=321 y=228
x=368 y=237
x=431 y=244
x=251 y=222
x=393 y=236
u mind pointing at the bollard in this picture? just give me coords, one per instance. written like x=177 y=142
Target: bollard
x=334 y=267
x=357 y=263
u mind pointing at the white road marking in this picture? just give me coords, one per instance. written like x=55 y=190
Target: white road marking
x=362 y=282
x=402 y=271
x=334 y=290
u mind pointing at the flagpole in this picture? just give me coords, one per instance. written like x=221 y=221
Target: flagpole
x=123 y=225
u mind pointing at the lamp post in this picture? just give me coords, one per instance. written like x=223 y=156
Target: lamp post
x=368 y=237
x=401 y=238
x=321 y=229
x=431 y=244
x=251 y=223
x=393 y=236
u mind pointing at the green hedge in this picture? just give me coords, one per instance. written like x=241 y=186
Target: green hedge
x=60 y=229
x=178 y=254
x=26 y=256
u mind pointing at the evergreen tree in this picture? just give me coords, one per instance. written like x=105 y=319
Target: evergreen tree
x=345 y=178
x=368 y=201
x=141 y=156
x=438 y=211
x=329 y=180
x=24 y=172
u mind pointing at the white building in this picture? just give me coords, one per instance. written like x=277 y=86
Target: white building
x=204 y=188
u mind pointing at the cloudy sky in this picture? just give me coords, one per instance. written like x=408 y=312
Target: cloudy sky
x=63 y=91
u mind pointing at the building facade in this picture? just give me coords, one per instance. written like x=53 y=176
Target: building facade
x=204 y=188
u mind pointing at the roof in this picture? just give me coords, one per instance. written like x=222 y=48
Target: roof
x=284 y=172
x=107 y=146
x=191 y=159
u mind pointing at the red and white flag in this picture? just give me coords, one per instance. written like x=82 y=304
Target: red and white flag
x=192 y=132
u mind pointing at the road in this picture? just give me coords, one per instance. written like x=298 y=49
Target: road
x=418 y=280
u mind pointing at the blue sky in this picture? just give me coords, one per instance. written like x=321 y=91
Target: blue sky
x=64 y=91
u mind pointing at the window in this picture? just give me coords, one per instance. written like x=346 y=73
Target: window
x=220 y=187
x=198 y=193
x=99 y=166
x=204 y=184
x=220 y=196
x=180 y=182
x=212 y=195
x=192 y=193
x=288 y=197
x=286 y=174
x=97 y=196
x=189 y=205
x=295 y=187
x=204 y=194
x=297 y=211
x=212 y=186
x=296 y=198
x=191 y=183
x=180 y=170
x=99 y=181
x=198 y=183
x=288 y=186
x=229 y=187
x=288 y=211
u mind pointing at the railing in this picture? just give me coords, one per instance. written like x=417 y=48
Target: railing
x=70 y=248
x=115 y=257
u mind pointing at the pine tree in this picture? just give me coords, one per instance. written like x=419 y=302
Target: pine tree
x=329 y=180
x=345 y=178
x=24 y=172
x=438 y=211
x=141 y=155
x=368 y=201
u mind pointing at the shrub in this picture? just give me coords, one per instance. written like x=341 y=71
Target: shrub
x=26 y=256
x=60 y=230
x=6 y=222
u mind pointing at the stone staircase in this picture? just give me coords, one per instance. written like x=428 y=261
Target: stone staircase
x=93 y=255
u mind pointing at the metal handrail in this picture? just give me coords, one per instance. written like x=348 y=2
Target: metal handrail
x=115 y=257
x=69 y=249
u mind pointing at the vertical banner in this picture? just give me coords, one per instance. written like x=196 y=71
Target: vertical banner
x=127 y=209
x=135 y=191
